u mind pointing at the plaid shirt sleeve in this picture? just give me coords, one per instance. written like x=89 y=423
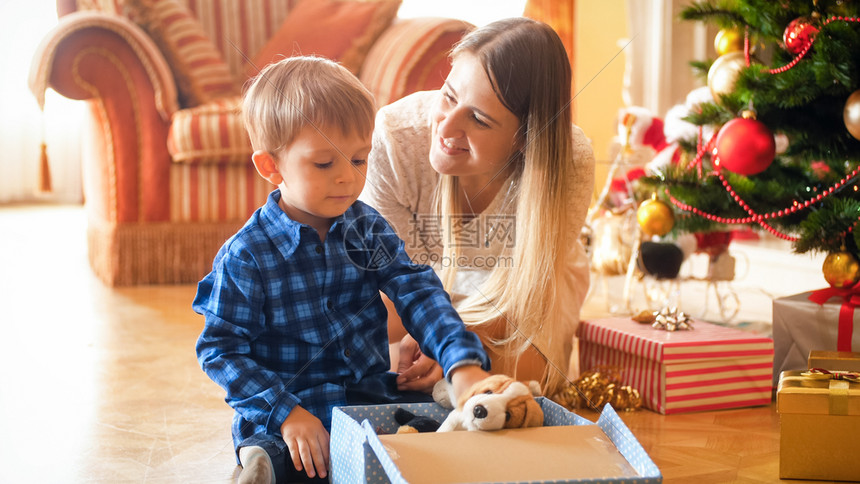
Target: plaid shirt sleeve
x=231 y=298
x=423 y=304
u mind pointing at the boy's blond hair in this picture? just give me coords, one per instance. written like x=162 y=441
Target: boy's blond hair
x=292 y=93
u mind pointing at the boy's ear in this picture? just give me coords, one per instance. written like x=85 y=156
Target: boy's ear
x=267 y=167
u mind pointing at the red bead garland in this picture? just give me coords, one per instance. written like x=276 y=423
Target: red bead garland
x=760 y=218
x=702 y=150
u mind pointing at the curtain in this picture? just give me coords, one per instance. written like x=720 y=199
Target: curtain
x=657 y=74
x=558 y=14
x=23 y=127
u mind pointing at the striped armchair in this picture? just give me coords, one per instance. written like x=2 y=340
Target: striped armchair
x=167 y=171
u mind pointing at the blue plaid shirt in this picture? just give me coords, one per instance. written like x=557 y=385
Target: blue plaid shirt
x=292 y=321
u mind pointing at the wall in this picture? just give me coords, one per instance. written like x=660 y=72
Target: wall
x=643 y=50
x=598 y=74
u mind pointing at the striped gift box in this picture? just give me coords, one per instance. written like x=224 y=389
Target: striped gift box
x=711 y=367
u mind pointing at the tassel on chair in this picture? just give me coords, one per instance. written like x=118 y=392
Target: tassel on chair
x=44 y=171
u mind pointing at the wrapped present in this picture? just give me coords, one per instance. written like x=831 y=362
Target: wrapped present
x=817 y=320
x=709 y=367
x=834 y=360
x=819 y=426
x=570 y=448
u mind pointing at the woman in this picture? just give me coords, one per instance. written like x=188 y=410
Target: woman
x=500 y=212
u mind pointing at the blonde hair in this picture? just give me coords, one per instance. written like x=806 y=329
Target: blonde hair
x=290 y=94
x=530 y=74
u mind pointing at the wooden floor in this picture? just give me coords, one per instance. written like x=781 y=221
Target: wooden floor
x=102 y=385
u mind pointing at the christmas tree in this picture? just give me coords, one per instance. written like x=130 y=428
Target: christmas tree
x=784 y=155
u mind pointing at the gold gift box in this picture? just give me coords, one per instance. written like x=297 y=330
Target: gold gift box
x=835 y=360
x=819 y=427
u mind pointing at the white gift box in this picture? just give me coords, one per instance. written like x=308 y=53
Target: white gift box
x=801 y=326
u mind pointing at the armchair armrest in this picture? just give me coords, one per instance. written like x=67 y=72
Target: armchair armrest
x=65 y=40
x=115 y=66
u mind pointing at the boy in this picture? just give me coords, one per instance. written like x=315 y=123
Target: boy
x=294 y=322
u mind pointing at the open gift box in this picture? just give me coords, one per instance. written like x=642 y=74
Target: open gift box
x=569 y=448
x=707 y=368
x=819 y=427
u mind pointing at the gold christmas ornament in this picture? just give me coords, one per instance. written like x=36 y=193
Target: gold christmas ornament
x=851 y=114
x=729 y=40
x=724 y=73
x=655 y=217
x=841 y=269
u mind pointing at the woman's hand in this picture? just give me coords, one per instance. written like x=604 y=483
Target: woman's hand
x=416 y=371
x=308 y=442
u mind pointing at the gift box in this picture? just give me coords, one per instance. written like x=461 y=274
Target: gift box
x=707 y=368
x=801 y=325
x=819 y=427
x=569 y=448
x=834 y=360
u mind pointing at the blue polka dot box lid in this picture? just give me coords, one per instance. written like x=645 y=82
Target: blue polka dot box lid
x=366 y=449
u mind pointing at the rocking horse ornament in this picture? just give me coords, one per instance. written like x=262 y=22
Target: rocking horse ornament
x=623 y=238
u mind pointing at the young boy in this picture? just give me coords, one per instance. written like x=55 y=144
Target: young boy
x=294 y=322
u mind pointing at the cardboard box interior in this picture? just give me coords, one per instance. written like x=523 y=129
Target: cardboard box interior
x=535 y=454
x=568 y=448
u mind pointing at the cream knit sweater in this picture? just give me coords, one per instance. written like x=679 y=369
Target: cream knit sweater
x=401 y=185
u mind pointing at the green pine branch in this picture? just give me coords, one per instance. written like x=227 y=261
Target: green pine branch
x=803 y=104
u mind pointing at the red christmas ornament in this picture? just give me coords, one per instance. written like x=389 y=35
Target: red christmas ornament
x=798 y=35
x=745 y=146
x=819 y=169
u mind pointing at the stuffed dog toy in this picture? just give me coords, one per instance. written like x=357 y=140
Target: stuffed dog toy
x=493 y=403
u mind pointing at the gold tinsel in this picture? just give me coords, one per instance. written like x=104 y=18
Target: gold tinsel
x=597 y=387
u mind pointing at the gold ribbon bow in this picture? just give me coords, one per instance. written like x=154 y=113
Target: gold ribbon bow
x=839 y=387
x=822 y=374
x=667 y=319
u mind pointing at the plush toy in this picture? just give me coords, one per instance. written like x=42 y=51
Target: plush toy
x=496 y=402
x=411 y=423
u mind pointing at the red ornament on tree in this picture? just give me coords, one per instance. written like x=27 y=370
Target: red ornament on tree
x=745 y=146
x=798 y=35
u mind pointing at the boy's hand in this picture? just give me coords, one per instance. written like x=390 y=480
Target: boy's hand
x=308 y=442
x=462 y=378
x=416 y=371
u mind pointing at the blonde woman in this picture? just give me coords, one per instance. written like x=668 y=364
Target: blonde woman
x=488 y=181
